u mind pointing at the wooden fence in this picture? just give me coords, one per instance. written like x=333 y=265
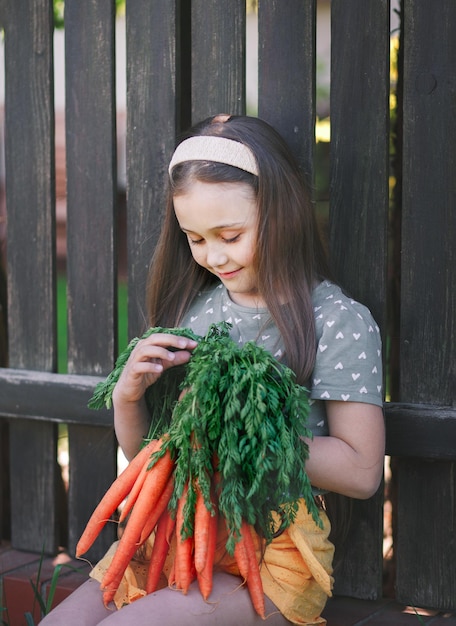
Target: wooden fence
x=395 y=252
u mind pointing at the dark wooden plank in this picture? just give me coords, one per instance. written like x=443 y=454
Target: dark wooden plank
x=3 y=302
x=350 y=612
x=91 y=186
x=358 y=555
x=34 y=487
x=91 y=244
x=29 y=165
x=218 y=58
x=426 y=550
x=91 y=448
x=42 y=396
x=425 y=559
x=421 y=431
x=359 y=149
x=5 y=512
x=358 y=222
x=286 y=74
x=152 y=124
x=428 y=312
x=30 y=198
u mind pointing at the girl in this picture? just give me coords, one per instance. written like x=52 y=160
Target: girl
x=240 y=244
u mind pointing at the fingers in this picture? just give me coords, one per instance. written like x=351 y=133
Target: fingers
x=149 y=358
x=162 y=351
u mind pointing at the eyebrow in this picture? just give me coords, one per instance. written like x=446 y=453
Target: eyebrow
x=221 y=227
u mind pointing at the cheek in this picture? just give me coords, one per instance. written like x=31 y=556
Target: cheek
x=197 y=254
x=249 y=250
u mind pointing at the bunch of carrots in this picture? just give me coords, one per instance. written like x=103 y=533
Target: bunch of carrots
x=149 y=489
x=233 y=448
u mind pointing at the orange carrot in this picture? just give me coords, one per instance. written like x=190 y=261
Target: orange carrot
x=172 y=574
x=201 y=530
x=183 y=558
x=156 y=480
x=116 y=493
x=240 y=555
x=159 y=553
x=254 y=583
x=160 y=507
x=137 y=486
x=134 y=492
x=205 y=575
x=170 y=528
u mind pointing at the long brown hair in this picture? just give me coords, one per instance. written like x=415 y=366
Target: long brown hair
x=289 y=258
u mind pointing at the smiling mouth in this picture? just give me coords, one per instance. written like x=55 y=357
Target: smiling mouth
x=228 y=275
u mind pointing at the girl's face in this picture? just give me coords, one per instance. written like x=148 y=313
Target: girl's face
x=220 y=221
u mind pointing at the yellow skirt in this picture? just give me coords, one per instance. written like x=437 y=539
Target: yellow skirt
x=295 y=569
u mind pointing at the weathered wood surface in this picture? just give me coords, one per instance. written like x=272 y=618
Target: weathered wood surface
x=218 y=58
x=153 y=120
x=427 y=491
x=286 y=81
x=5 y=497
x=426 y=574
x=44 y=396
x=413 y=430
x=358 y=223
x=90 y=124
x=5 y=513
x=91 y=213
x=421 y=431
x=29 y=163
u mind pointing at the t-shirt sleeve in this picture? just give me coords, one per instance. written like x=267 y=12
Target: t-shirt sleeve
x=348 y=363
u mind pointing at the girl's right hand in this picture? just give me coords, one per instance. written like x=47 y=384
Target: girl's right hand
x=148 y=360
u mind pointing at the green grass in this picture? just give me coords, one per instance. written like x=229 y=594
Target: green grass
x=62 y=343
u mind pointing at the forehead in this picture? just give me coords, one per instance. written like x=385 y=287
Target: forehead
x=215 y=203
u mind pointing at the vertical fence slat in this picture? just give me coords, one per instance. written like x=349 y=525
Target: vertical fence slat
x=30 y=198
x=427 y=492
x=91 y=185
x=218 y=58
x=152 y=123
x=91 y=260
x=358 y=219
x=429 y=223
x=360 y=148
x=29 y=146
x=286 y=74
x=5 y=512
x=424 y=544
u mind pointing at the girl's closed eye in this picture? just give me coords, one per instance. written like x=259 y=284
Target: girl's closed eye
x=194 y=242
x=231 y=239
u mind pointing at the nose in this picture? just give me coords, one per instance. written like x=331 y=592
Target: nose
x=216 y=256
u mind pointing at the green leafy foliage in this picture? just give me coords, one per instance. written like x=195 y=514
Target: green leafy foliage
x=244 y=416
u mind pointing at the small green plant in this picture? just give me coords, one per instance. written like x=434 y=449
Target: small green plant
x=45 y=605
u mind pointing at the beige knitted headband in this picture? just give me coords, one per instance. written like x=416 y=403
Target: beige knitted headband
x=218 y=149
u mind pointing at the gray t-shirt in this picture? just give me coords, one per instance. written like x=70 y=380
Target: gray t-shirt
x=348 y=365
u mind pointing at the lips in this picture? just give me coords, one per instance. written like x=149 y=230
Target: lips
x=228 y=275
